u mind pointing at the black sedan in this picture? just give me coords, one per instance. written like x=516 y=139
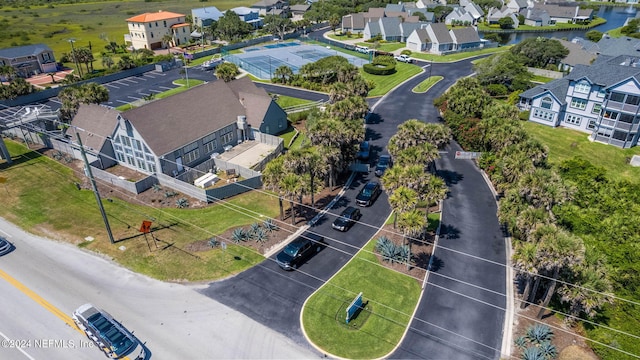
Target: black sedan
x=299 y=250
x=383 y=164
x=368 y=194
x=348 y=217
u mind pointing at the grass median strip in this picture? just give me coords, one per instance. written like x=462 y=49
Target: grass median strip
x=426 y=84
x=390 y=298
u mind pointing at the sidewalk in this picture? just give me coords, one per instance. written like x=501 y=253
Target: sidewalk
x=357 y=40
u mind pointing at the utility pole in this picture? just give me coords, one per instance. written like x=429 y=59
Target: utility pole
x=75 y=59
x=87 y=167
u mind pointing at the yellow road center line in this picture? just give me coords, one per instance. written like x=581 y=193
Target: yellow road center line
x=44 y=303
x=38 y=299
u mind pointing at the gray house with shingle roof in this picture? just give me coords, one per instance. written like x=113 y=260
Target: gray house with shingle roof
x=183 y=130
x=441 y=41
x=95 y=123
x=602 y=99
x=465 y=38
x=29 y=60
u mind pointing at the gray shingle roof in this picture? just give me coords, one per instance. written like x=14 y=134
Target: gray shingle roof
x=391 y=26
x=395 y=7
x=170 y=123
x=423 y=36
x=210 y=12
x=374 y=28
x=619 y=46
x=577 y=55
x=466 y=35
x=98 y=123
x=557 y=87
x=353 y=21
x=21 y=51
x=441 y=32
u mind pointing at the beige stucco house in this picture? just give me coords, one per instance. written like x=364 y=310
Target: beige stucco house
x=150 y=30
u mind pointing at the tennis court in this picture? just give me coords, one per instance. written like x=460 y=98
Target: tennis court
x=263 y=62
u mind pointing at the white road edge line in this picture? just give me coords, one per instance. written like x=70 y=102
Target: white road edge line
x=16 y=347
x=6 y=233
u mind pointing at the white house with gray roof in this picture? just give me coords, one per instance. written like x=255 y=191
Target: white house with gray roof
x=205 y=16
x=438 y=39
x=602 y=99
x=29 y=60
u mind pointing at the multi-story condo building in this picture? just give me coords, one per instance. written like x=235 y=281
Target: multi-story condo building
x=602 y=99
x=157 y=30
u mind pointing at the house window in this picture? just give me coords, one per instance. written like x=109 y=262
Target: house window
x=141 y=164
x=146 y=149
x=156 y=24
x=150 y=25
x=582 y=87
x=601 y=93
x=165 y=23
x=543 y=115
x=619 y=135
x=626 y=118
x=128 y=151
x=139 y=155
x=130 y=160
x=592 y=124
x=209 y=143
x=617 y=97
x=578 y=103
x=137 y=144
x=150 y=157
x=546 y=103
x=630 y=137
x=152 y=35
x=632 y=100
x=610 y=114
x=573 y=120
x=120 y=157
x=227 y=135
x=596 y=108
x=151 y=167
x=191 y=152
x=604 y=132
x=125 y=140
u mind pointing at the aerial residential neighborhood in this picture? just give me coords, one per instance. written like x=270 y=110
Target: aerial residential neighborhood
x=319 y=179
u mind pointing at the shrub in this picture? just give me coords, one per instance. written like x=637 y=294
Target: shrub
x=376 y=70
x=169 y=194
x=182 y=203
x=497 y=90
x=260 y=235
x=270 y=225
x=406 y=52
x=213 y=242
x=255 y=227
x=239 y=235
x=384 y=60
x=539 y=333
x=532 y=353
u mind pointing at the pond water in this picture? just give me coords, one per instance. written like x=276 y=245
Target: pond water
x=615 y=16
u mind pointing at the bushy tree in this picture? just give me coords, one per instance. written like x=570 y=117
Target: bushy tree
x=230 y=27
x=593 y=35
x=227 y=71
x=506 y=22
x=539 y=52
x=505 y=69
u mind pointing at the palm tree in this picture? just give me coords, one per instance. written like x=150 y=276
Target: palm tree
x=85 y=56
x=227 y=71
x=338 y=91
x=401 y=200
x=167 y=40
x=435 y=191
x=334 y=21
x=107 y=61
x=525 y=260
x=424 y=153
x=7 y=72
x=412 y=224
x=271 y=176
x=283 y=74
x=559 y=250
x=350 y=108
x=291 y=185
x=544 y=189
x=392 y=179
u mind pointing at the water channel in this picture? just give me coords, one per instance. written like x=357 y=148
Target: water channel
x=615 y=16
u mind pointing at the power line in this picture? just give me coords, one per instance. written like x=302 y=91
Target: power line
x=237 y=208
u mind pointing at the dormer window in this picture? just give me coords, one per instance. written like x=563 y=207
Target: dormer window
x=582 y=87
x=546 y=102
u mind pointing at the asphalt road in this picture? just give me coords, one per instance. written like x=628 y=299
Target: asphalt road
x=457 y=318
x=274 y=297
x=174 y=321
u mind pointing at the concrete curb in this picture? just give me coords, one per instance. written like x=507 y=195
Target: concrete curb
x=507 y=332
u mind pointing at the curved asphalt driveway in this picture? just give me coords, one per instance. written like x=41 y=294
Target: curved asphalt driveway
x=461 y=314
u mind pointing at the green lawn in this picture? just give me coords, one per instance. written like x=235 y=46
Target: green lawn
x=384 y=83
x=40 y=194
x=288 y=101
x=458 y=56
x=390 y=299
x=565 y=143
x=541 y=79
x=427 y=84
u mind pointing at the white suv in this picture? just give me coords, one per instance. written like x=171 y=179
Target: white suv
x=404 y=58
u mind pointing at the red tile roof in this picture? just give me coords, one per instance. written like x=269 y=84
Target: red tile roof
x=155 y=16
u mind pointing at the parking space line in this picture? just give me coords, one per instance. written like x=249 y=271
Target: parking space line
x=55 y=100
x=119 y=82
x=164 y=87
x=143 y=94
x=130 y=80
x=110 y=85
x=155 y=91
x=122 y=101
x=134 y=98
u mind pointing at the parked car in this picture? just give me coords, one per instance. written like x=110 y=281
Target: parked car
x=348 y=217
x=5 y=246
x=404 y=58
x=368 y=194
x=363 y=152
x=384 y=162
x=299 y=250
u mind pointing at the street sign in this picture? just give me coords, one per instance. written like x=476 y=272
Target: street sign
x=145 y=227
x=467 y=155
x=353 y=308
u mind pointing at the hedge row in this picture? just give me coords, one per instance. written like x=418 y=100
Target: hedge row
x=378 y=70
